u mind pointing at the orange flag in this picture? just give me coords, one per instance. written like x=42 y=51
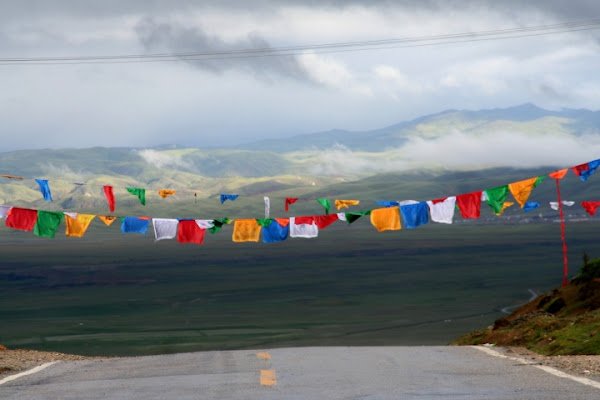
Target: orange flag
x=165 y=192
x=107 y=219
x=345 y=203
x=246 y=230
x=78 y=226
x=559 y=174
x=386 y=219
x=522 y=189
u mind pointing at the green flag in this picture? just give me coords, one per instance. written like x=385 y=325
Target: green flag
x=325 y=203
x=353 y=216
x=47 y=223
x=140 y=193
x=497 y=197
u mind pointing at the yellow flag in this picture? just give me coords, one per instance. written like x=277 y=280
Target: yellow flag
x=246 y=230
x=165 y=192
x=345 y=203
x=76 y=227
x=522 y=189
x=386 y=219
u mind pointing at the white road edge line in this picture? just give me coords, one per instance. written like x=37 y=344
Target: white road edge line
x=544 y=368
x=25 y=373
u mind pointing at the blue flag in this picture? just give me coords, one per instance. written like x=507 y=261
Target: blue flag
x=45 y=189
x=230 y=197
x=135 y=225
x=415 y=214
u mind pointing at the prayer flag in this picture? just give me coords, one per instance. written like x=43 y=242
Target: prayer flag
x=469 y=204
x=275 y=232
x=496 y=198
x=140 y=193
x=267 y=207
x=288 y=201
x=442 y=210
x=77 y=225
x=107 y=219
x=45 y=189
x=303 y=230
x=386 y=219
x=230 y=197
x=522 y=189
x=353 y=216
x=190 y=232
x=166 y=192
x=558 y=174
x=590 y=206
x=323 y=221
x=346 y=203
x=325 y=203
x=110 y=197
x=531 y=205
x=165 y=228
x=218 y=224
x=414 y=215
x=4 y=211
x=135 y=225
x=21 y=218
x=388 y=203
x=47 y=223
x=504 y=207
x=246 y=230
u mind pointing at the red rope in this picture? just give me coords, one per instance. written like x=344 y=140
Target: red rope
x=562 y=234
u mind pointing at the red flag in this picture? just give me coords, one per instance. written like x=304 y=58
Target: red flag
x=578 y=169
x=288 y=201
x=21 y=218
x=469 y=204
x=189 y=232
x=323 y=221
x=110 y=197
x=590 y=206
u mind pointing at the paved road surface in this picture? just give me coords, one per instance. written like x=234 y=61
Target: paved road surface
x=301 y=373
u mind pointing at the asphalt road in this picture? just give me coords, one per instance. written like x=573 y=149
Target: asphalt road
x=302 y=373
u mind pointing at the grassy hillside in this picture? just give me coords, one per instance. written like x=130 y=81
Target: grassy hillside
x=563 y=321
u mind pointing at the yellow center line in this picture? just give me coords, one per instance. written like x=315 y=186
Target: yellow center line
x=267 y=377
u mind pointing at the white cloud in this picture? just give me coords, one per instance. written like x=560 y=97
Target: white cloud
x=161 y=159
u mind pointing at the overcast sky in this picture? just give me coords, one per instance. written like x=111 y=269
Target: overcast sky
x=216 y=102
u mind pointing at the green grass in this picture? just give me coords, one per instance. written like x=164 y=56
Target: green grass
x=115 y=294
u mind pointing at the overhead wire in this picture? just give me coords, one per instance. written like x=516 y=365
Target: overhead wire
x=338 y=47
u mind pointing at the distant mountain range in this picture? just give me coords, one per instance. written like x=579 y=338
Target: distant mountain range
x=370 y=164
x=526 y=118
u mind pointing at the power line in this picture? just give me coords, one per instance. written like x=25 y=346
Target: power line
x=338 y=47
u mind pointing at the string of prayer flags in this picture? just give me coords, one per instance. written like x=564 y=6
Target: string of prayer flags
x=246 y=230
x=47 y=223
x=414 y=215
x=166 y=192
x=346 y=203
x=303 y=227
x=326 y=203
x=190 y=232
x=385 y=219
x=267 y=207
x=21 y=218
x=107 y=219
x=45 y=189
x=531 y=205
x=496 y=197
x=442 y=210
x=230 y=197
x=288 y=201
x=110 y=197
x=77 y=224
x=584 y=171
x=165 y=228
x=135 y=225
x=590 y=206
x=140 y=193
x=469 y=204
x=277 y=230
